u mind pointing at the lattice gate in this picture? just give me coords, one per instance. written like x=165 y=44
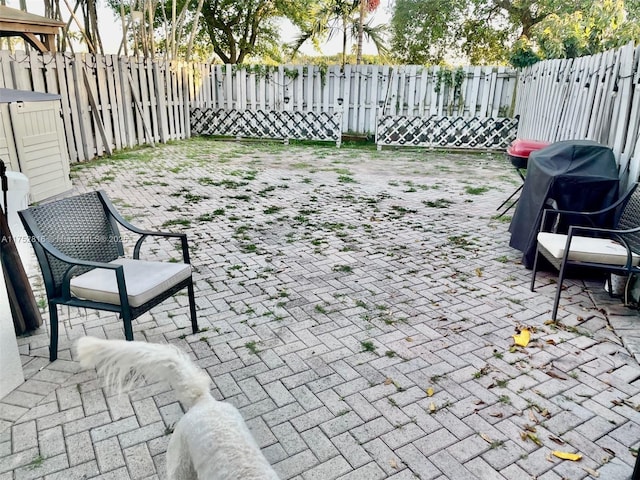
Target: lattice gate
x=446 y=132
x=285 y=125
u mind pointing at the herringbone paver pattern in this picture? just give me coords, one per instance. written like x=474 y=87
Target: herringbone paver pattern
x=358 y=308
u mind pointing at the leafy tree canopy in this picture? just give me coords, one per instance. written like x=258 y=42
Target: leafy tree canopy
x=235 y=30
x=517 y=31
x=328 y=18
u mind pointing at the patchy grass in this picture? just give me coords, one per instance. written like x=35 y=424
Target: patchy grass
x=476 y=190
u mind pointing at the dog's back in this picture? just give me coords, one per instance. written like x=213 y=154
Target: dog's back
x=211 y=442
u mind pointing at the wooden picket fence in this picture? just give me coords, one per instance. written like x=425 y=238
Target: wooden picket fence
x=595 y=98
x=108 y=102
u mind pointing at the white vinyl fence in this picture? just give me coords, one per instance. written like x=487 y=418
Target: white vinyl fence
x=359 y=92
x=595 y=97
x=110 y=103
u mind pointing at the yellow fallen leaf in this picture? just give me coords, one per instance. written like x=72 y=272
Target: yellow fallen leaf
x=432 y=407
x=567 y=456
x=479 y=272
x=429 y=392
x=522 y=339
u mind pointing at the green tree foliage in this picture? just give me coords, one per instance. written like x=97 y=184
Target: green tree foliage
x=330 y=17
x=235 y=30
x=603 y=25
x=422 y=30
x=517 y=31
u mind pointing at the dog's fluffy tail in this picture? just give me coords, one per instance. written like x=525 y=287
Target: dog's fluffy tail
x=124 y=363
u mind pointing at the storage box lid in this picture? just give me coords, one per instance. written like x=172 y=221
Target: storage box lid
x=9 y=95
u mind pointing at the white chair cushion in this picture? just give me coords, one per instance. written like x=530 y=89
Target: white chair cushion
x=586 y=249
x=145 y=280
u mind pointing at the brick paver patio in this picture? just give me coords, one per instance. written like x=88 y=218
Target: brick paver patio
x=358 y=308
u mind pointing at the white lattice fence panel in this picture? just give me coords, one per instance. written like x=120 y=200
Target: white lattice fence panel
x=449 y=132
x=267 y=124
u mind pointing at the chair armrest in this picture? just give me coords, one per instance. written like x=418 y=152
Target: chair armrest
x=74 y=263
x=612 y=233
x=588 y=215
x=144 y=233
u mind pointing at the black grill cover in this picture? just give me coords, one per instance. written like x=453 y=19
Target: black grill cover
x=580 y=175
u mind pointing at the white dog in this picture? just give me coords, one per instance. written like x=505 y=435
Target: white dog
x=211 y=441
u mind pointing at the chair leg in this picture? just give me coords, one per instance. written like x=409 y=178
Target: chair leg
x=535 y=269
x=556 y=301
x=126 y=318
x=53 y=325
x=192 y=308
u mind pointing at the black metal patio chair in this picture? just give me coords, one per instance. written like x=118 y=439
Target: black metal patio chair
x=612 y=250
x=78 y=245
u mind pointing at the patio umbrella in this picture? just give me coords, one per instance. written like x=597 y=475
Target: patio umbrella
x=24 y=309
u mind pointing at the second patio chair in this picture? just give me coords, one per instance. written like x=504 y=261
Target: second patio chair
x=78 y=245
x=613 y=250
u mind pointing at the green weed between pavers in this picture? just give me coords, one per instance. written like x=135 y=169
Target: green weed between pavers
x=439 y=203
x=185 y=222
x=476 y=190
x=368 y=346
x=252 y=347
x=342 y=268
x=36 y=462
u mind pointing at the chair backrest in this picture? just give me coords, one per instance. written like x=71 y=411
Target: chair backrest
x=630 y=219
x=80 y=227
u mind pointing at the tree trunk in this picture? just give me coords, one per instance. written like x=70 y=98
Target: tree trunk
x=360 y=31
x=344 y=41
x=194 y=30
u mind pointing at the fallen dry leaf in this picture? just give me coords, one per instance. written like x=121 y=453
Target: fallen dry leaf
x=409 y=339
x=557 y=375
x=550 y=341
x=559 y=441
x=429 y=392
x=574 y=457
x=534 y=438
x=532 y=417
x=479 y=272
x=388 y=381
x=530 y=436
x=591 y=472
x=393 y=463
x=522 y=339
x=496 y=415
x=432 y=407
x=486 y=438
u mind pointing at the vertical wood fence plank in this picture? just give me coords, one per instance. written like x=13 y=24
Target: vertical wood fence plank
x=36 y=69
x=72 y=145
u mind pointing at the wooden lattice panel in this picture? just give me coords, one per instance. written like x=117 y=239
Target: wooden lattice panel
x=286 y=125
x=449 y=132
